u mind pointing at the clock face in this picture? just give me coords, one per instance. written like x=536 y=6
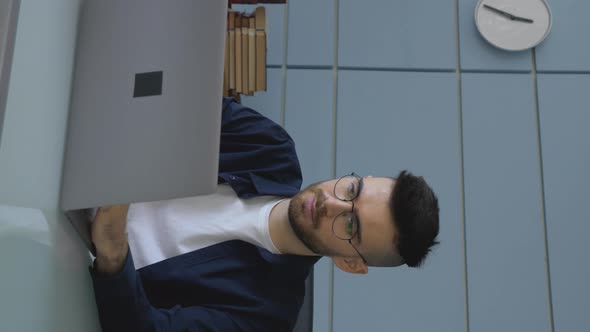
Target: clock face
x=513 y=25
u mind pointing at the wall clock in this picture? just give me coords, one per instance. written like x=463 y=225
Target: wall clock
x=513 y=25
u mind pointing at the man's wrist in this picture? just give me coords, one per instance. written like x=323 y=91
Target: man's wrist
x=111 y=263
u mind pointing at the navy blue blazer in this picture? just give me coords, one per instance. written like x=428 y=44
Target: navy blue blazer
x=231 y=286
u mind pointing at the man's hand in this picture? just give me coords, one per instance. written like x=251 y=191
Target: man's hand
x=110 y=238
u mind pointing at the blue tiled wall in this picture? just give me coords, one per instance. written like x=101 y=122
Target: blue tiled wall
x=377 y=86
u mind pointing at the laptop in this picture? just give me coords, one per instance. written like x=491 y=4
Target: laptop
x=145 y=114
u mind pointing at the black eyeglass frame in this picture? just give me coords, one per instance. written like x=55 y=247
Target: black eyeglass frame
x=351 y=200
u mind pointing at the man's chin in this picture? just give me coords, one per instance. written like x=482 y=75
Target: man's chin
x=296 y=221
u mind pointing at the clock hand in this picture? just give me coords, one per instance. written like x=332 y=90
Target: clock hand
x=522 y=19
x=508 y=15
x=501 y=12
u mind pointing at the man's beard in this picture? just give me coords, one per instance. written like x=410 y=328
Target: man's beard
x=296 y=215
x=295 y=209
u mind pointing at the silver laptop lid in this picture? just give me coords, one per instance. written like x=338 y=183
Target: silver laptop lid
x=145 y=112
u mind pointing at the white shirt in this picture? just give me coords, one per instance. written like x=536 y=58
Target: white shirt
x=165 y=229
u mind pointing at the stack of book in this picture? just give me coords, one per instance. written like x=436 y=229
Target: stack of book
x=245 y=53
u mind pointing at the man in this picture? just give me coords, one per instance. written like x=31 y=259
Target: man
x=237 y=260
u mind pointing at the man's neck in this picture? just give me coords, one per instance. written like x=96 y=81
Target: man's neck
x=282 y=234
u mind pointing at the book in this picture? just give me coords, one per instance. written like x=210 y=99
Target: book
x=251 y=55
x=238 y=53
x=260 y=21
x=245 y=54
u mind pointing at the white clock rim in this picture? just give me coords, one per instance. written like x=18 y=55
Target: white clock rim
x=548 y=30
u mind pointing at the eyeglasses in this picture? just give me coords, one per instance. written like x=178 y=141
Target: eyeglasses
x=346 y=225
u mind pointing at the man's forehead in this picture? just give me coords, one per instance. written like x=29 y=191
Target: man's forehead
x=376 y=219
x=382 y=184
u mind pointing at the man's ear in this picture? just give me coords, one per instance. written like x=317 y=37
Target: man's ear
x=351 y=265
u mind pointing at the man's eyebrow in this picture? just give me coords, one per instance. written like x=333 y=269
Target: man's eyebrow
x=356 y=215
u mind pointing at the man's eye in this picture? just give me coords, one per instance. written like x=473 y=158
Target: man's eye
x=352 y=190
x=349 y=226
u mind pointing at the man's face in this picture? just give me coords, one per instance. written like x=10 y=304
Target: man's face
x=313 y=211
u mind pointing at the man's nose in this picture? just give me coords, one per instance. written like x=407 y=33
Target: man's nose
x=333 y=206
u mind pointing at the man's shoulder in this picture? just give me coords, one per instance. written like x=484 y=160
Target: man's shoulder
x=258 y=157
x=238 y=118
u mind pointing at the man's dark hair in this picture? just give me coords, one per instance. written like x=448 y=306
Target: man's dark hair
x=415 y=211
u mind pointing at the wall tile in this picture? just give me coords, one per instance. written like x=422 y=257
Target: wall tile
x=311 y=33
x=563 y=106
x=397 y=34
x=505 y=248
x=566 y=47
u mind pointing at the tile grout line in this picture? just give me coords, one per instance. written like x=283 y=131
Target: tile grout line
x=496 y=71
x=542 y=185
x=564 y=72
x=462 y=166
x=398 y=69
x=430 y=70
x=334 y=138
x=284 y=65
